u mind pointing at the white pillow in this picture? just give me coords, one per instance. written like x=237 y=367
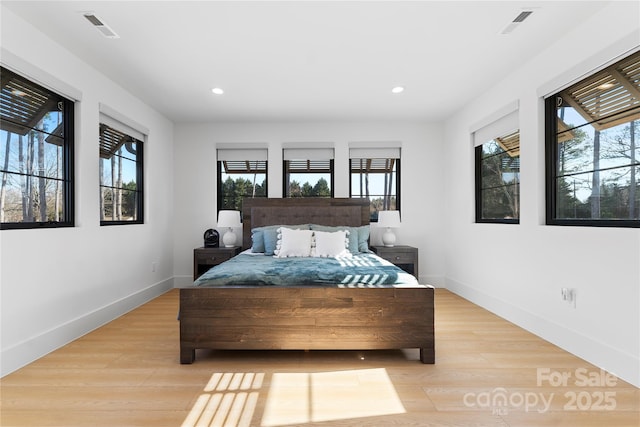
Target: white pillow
x=331 y=244
x=293 y=243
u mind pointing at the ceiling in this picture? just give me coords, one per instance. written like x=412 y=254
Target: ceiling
x=304 y=60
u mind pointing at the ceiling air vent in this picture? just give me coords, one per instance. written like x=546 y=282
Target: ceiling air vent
x=101 y=26
x=523 y=15
x=516 y=22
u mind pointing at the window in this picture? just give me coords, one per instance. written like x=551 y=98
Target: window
x=592 y=149
x=498 y=179
x=242 y=172
x=375 y=172
x=36 y=140
x=121 y=173
x=308 y=172
x=497 y=166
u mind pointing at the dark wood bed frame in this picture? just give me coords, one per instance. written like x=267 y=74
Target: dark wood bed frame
x=305 y=317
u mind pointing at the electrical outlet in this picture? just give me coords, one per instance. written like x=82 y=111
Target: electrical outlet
x=568 y=296
x=154 y=266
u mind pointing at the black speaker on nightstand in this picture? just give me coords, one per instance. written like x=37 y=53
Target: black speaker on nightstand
x=211 y=238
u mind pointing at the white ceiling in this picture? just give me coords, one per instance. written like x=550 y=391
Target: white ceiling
x=302 y=60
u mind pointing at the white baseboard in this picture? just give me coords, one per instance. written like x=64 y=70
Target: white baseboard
x=31 y=349
x=624 y=365
x=435 y=281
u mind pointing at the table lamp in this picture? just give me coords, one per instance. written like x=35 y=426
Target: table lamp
x=229 y=220
x=389 y=220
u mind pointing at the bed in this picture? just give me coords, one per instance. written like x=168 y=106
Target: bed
x=361 y=311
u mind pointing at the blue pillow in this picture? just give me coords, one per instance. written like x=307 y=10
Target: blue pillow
x=270 y=240
x=363 y=238
x=257 y=240
x=265 y=238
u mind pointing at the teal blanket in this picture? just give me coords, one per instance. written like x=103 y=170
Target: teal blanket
x=362 y=269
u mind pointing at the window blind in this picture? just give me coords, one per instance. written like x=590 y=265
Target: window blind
x=242 y=152
x=505 y=124
x=121 y=123
x=374 y=150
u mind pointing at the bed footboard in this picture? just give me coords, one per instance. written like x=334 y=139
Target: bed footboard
x=306 y=318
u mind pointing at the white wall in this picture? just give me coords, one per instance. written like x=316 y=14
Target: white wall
x=517 y=270
x=57 y=284
x=421 y=179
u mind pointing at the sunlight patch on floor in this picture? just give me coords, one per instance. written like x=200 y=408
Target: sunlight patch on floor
x=230 y=399
x=328 y=396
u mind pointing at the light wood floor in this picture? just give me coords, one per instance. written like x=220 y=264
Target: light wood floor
x=488 y=372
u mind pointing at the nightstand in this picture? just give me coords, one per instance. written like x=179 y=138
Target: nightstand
x=205 y=258
x=405 y=257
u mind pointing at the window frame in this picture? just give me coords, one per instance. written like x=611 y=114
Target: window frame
x=219 y=198
x=478 y=161
x=309 y=152
x=68 y=162
x=551 y=162
x=397 y=165
x=139 y=200
x=286 y=176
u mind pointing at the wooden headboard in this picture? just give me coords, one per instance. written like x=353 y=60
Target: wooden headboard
x=258 y=212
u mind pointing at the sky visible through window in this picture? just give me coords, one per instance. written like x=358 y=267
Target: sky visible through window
x=50 y=122
x=376 y=184
x=584 y=162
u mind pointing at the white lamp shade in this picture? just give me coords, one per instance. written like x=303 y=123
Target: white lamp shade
x=229 y=219
x=389 y=219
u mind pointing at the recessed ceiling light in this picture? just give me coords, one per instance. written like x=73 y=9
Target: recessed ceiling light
x=397 y=89
x=217 y=91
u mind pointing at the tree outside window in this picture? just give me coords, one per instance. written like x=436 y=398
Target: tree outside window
x=308 y=178
x=121 y=200
x=238 y=179
x=36 y=149
x=593 y=154
x=376 y=180
x=498 y=179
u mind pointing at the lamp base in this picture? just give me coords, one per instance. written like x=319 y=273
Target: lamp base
x=388 y=238
x=229 y=239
